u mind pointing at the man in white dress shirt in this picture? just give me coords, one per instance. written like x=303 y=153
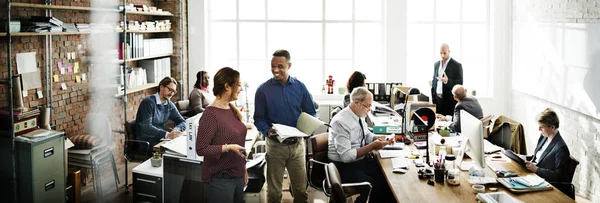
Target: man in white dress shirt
x=350 y=145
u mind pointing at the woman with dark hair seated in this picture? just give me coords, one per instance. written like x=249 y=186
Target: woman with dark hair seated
x=200 y=96
x=357 y=79
x=551 y=157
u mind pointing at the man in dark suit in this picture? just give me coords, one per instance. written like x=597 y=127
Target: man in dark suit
x=469 y=104
x=447 y=73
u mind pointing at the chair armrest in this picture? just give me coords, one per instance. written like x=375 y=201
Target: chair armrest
x=353 y=185
x=319 y=162
x=357 y=184
x=146 y=143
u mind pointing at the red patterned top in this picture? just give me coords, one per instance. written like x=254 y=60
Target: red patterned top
x=218 y=127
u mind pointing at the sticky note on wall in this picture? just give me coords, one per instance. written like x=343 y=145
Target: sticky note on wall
x=55 y=78
x=76 y=67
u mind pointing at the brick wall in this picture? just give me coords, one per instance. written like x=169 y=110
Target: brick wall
x=71 y=106
x=580 y=131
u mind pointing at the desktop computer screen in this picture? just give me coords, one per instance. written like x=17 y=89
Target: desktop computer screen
x=472 y=128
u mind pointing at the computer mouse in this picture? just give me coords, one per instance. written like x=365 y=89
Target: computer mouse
x=399 y=170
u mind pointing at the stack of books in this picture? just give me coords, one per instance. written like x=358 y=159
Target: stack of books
x=42 y=24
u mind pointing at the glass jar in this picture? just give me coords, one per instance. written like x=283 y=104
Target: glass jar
x=453 y=174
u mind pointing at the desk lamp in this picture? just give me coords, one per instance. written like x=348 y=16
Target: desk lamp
x=411 y=92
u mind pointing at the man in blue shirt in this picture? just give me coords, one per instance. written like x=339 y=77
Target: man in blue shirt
x=281 y=100
x=155 y=110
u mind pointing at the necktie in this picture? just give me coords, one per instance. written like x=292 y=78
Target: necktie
x=362 y=132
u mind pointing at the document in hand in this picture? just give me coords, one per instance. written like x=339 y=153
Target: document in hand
x=285 y=132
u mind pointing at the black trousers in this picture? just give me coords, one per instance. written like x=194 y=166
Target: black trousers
x=445 y=105
x=368 y=170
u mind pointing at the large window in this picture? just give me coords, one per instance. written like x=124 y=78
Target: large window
x=324 y=37
x=465 y=26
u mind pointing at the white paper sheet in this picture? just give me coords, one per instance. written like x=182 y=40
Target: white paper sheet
x=391 y=153
x=178 y=145
x=31 y=80
x=26 y=62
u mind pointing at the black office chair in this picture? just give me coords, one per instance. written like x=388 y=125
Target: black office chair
x=317 y=159
x=502 y=137
x=335 y=189
x=567 y=186
x=136 y=150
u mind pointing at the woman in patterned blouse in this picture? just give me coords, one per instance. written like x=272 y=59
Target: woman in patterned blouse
x=221 y=135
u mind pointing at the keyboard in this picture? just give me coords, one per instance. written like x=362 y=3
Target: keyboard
x=399 y=162
x=510 y=154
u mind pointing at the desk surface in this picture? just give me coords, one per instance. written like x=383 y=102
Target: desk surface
x=409 y=188
x=146 y=168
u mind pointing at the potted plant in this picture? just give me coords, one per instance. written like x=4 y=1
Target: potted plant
x=156 y=159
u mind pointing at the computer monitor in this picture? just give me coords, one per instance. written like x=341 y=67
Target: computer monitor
x=472 y=128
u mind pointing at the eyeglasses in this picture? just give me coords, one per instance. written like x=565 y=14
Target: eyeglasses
x=366 y=106
x=172 y=90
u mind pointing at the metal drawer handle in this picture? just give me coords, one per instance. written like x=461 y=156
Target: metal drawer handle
x=146 y=195
x=48 y=152
x=50 y=185
x=146 y=180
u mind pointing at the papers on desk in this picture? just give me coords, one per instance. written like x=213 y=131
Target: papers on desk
x=481 y=180
x=176 y=146
x=528 y=183
x=392 y=153
x=285 y=132
x=396 y=146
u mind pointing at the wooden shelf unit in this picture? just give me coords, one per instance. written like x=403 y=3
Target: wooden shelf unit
x=85 y=8
x=137 y=89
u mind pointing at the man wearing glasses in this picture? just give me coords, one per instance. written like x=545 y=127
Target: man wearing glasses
x=155 y=111
x=350 y=144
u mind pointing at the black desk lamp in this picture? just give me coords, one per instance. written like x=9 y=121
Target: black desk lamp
x=411 y=91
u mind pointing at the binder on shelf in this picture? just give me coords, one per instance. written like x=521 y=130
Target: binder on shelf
x=156 y=69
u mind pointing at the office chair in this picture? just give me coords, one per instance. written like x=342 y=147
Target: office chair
x=97 y=124
x=567 y=186
x=317 y=159
x=134 y=150
x=335 y=189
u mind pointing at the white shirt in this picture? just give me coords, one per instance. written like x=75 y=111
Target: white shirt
x=541 y=151
x=345 y=136
x=441 y=70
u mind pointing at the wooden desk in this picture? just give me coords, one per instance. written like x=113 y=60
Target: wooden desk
x=409 y=188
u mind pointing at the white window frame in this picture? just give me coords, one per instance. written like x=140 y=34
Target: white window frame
x=489 y=91
x=340 y=82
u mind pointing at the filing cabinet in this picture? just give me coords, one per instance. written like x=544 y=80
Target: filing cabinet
x=147 y=183
x=40 y=167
